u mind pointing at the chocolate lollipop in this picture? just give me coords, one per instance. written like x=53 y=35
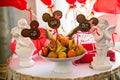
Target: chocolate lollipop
x=54 y=20
x=84 y=24
x=33 y=32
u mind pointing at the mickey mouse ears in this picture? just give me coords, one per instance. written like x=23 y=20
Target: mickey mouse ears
x=34 y=24
x=53 y=20
x=33 y=32
x=85 y=24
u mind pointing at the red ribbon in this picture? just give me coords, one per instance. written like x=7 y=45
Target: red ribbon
x=30 y=11
x=56 y=35
x=95 y=29
x=113 y=39
x=77 y=39
x=50 y=7
x=40 y=42
x=9 y=60
x=72 y=6
x=55 y=32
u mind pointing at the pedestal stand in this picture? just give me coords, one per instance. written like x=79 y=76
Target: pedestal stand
x=101 y=63
x=63 y=67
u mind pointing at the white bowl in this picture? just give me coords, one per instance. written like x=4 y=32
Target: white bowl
x=62 y=59
x=63 y=65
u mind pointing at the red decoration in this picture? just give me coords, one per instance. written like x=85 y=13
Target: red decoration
x=13 y=45
x=72 y=5
x=39 y=43
x=88 y=57
x=111 y=54
x=81 y=1
x=47 y=2
x=111 y=6
x=30 y=11
x=71 y=1
x=118 y=2
x=89 y=46
x=19 y=4
x=113 y=37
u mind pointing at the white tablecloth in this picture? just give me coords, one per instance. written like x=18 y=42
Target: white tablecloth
x=43 y=69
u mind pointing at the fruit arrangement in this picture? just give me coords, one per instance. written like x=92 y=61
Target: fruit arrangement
x=62 y=48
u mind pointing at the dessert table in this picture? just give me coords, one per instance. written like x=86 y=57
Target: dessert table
x=43 y=70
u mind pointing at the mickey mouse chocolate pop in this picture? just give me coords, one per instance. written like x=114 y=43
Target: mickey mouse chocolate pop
x=33 y=32
x=54 y=20
x=84 y=24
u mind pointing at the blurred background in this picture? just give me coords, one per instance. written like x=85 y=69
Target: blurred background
x=10 y=15
x=8 y=19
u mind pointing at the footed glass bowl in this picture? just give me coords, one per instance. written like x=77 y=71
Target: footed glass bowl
x=63 y=65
